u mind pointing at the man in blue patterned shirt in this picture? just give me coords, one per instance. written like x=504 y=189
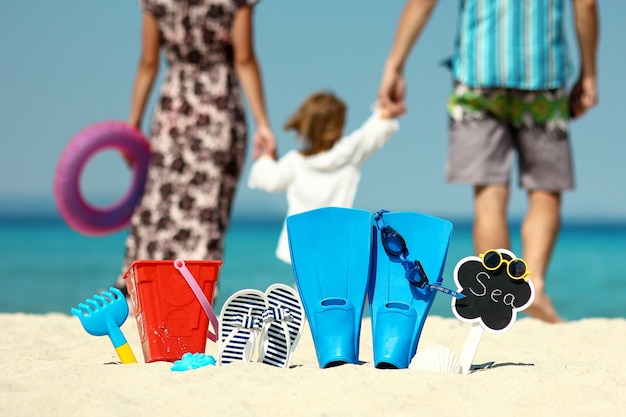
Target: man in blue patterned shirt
x=510 y=66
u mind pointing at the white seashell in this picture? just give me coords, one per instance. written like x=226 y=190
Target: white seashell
x=436 y=359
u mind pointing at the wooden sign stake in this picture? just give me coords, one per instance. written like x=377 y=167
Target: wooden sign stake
x=470 y=348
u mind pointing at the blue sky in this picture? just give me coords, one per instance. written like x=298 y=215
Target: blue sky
x=70 y=63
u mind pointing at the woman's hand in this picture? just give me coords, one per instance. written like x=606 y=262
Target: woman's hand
x=264 y=142
x=136 y=124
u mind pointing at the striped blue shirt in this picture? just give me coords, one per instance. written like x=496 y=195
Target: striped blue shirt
x=511 y=44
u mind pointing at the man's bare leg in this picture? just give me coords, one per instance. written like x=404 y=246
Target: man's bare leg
x=491 y=230
x=539 y=233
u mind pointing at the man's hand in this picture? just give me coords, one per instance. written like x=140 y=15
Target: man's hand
x=584 y=95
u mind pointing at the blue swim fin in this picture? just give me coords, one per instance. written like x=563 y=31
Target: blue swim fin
x=330 y=254
x=398 y=306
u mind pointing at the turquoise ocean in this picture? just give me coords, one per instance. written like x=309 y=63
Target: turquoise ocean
x=47 y=267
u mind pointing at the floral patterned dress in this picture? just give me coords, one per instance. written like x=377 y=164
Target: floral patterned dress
x=198 y=136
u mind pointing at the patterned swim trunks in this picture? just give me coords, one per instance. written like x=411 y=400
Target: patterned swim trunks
x=545 y=109
x=491 y=128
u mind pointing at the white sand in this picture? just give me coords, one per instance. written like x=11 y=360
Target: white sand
x=49 y=366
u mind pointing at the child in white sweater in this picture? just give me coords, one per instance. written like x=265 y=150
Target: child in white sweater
x=326 y=172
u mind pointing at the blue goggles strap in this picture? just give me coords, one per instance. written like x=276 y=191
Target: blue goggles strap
x=413 y=270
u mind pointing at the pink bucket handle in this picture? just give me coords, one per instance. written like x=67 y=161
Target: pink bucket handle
x=182 y=268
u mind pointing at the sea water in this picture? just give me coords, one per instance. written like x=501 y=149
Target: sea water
x=47 y=267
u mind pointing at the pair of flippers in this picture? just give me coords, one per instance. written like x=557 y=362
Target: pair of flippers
x=340 y=255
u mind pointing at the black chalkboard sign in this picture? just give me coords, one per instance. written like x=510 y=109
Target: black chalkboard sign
x=492 y=298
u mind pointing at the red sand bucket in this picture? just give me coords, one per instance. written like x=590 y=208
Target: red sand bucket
x=170 y=318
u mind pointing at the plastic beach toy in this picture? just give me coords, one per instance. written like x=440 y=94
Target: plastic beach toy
x=79 y=214
x=103 y=315
x=192 y=361
x=171 y=317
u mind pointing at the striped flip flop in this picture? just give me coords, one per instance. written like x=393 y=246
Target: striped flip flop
x=241 y=322
x=283 y=322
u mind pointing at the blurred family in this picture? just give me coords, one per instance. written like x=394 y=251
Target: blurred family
x=509 y=101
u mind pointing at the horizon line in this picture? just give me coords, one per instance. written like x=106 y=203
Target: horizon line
x=249 y=216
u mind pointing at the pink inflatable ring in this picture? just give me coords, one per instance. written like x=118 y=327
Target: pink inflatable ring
x=78 y=213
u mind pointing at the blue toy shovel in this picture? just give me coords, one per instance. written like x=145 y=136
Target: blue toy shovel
x=103 y=315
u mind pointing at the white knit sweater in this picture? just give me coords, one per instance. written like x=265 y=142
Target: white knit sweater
x=328 y=178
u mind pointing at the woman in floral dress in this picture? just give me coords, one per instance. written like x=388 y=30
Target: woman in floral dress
x=198 y=131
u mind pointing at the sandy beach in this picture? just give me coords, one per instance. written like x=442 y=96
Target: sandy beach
x=52 y=367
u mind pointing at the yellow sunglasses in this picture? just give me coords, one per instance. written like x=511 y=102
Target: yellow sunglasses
x=515 y=268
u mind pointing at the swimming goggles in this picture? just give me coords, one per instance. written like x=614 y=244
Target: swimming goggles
x=397 y=251
x=515 y=268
